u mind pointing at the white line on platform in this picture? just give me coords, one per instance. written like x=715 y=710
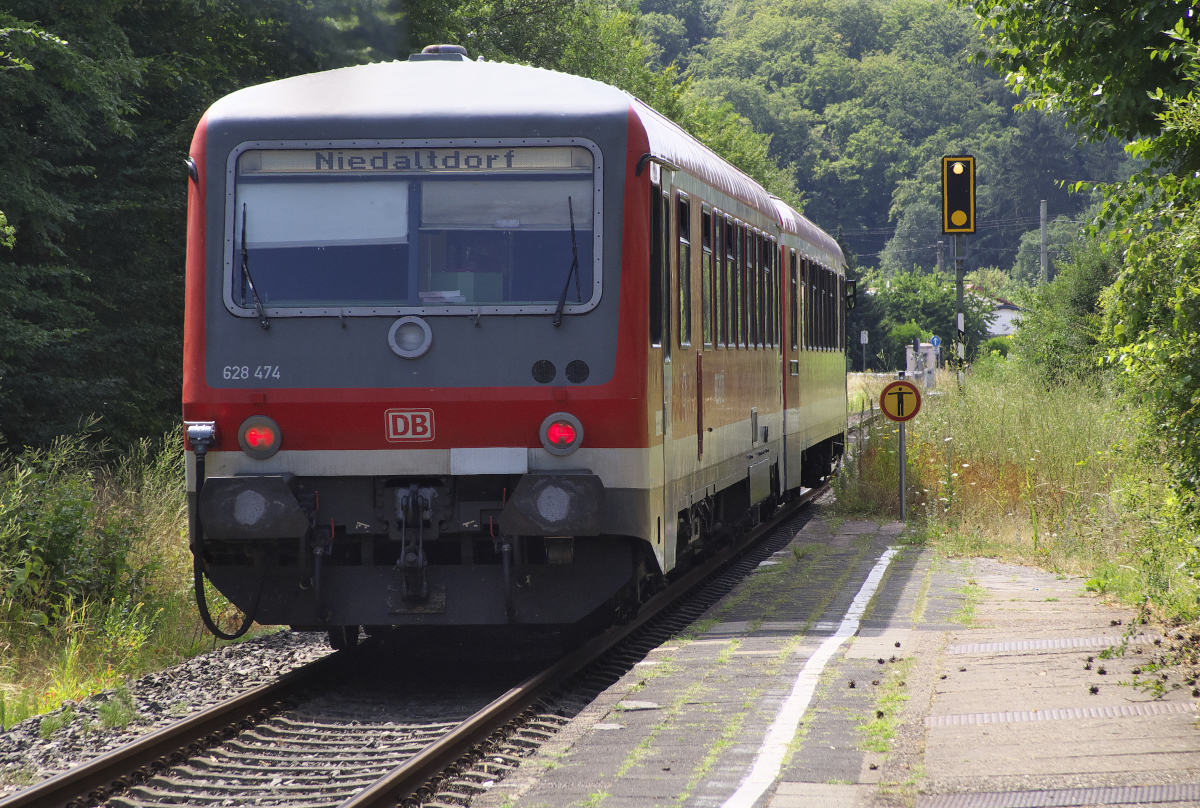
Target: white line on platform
x=779 y=735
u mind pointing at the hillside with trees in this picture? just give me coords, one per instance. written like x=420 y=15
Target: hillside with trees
x=863 y=97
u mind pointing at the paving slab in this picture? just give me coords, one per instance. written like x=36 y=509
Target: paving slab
x=990 y=705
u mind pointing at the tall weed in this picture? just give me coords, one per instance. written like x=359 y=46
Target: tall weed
x=95 y=575
x=1056 y=475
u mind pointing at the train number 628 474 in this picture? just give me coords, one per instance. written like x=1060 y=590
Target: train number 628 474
x=244 y=372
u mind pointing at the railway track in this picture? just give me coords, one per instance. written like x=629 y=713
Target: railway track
x=309 y=740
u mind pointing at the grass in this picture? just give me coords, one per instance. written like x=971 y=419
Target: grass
x=1058 y=477
x=973 y=594
x=95 y=576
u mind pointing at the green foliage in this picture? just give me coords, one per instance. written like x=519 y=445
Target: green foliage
x=118 y=711
x=1095 y=62
x=894 y=310
x=53 y=723
x=91 y=179
x=1061 y=235
x=864 y=96
x=57 y=548
x=1061 y=324
x=996 y=346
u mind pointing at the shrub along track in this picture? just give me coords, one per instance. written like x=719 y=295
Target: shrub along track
x=328 y=734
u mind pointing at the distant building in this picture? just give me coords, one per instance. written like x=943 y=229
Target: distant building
x=1006 y=315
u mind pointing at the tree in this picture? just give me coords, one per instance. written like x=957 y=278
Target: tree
x=100 y=104
x=864 y=96
x=1096 y=61
x=1131 y=71
x=1061 y=325
x=894 y=309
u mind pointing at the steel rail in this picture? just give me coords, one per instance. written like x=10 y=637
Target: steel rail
x=404 y=780
x=96 y=780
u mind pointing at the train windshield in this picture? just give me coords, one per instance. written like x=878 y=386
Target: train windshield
x=413 y=228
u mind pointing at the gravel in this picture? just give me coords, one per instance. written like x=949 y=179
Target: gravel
x=149 y=704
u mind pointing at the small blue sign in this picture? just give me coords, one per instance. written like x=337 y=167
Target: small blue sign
x=935 y=341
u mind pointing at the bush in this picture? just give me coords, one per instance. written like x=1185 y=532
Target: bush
x=56 y=547
x=95 y=574
x=996 y=345
x=1061 y=327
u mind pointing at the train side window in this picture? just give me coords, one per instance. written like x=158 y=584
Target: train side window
x=751 y=301
x=803 y=289
x=777 y=293
x=769 y=245
x=767 y=277
x=751 y=288
x=719 y=307
x=809 y=314
x=823 y=314
x=656 y=261
x=833 y=310
x=756 y=322
x=683 y=224
x=841 y=309
x=706 y=277
x=794 y=311
x=738 y=318
x=826 y=320
x=819 y=308
x=730 y=283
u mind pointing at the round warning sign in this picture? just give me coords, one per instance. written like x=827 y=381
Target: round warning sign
x=900 y=400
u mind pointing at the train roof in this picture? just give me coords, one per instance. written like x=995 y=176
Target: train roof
x=439 y=89
x=800 y=225
x=446 y=89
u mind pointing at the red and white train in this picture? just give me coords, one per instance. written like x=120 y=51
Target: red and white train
x=478 y=343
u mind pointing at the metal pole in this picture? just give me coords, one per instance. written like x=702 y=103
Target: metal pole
x=903 y=462
x=1045 y=249
x=941 y=256
x=864 y=347
x=959 y=272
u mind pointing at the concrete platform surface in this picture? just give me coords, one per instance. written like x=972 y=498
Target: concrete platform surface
x=842 y=675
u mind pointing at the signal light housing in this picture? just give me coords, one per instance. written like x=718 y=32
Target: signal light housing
x=259 y=437
x=958 y=194
x=561 y=433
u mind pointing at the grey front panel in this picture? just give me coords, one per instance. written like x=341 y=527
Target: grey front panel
x=320 y=352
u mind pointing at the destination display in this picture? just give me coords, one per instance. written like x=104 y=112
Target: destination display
x=527 y=159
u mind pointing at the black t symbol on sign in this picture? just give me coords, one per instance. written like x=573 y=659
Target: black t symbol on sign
x=900 y=393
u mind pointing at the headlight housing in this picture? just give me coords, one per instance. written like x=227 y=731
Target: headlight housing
x=259 y=437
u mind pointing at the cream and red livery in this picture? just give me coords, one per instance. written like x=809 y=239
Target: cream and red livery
x=472 y=343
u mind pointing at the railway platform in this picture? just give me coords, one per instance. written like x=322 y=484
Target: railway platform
x=852 y=669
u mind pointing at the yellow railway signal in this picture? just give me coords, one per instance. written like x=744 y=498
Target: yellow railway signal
x=958 y=194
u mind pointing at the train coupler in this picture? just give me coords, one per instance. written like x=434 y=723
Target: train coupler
x=414 y=505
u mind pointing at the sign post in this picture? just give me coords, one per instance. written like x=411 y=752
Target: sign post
x=901 y=401
x=862 y=338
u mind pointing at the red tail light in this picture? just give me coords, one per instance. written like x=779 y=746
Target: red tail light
x=561 y=433
x=260 y=437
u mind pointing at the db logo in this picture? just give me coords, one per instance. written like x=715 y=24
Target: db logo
x=409 y=425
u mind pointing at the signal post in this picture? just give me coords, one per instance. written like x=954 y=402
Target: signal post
x=958 y=219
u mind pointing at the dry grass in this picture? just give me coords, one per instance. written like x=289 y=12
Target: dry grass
x=1048 y=476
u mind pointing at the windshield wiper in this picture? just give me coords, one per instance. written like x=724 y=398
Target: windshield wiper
x=574 y=270
x=258 y=306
